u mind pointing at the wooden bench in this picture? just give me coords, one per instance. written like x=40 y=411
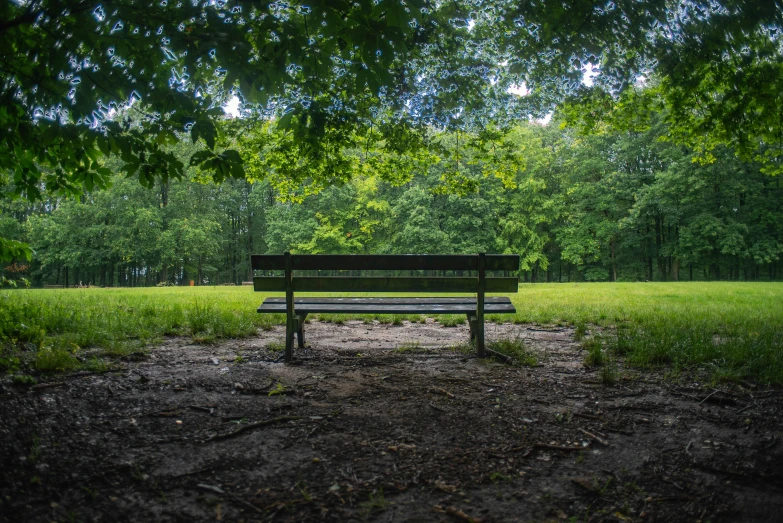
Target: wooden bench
x=410 y=273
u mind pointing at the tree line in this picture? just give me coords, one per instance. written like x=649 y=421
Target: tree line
x=605 y=206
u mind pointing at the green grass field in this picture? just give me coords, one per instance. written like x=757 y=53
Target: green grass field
x=734 y=330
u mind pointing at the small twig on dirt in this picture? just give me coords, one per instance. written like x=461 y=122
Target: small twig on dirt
x=710 y=418
x=202 y=408
x=251 y=426
x=711 y=394
x=312 y=431
x=646 y=406
x=502 y=357
x=595 y=438
x=610 y=473
x=619 y=431
x=235 y=499
x=254 y=390
x=457 y=513
x=443 y=392
x=774 y=440
x=586 y=484
x=42 y=386
x=688 y=449
x=743 y=409
x=586 y=416
x=547 y=446
x=436 y=407
x=211 y=488
x=669 y=498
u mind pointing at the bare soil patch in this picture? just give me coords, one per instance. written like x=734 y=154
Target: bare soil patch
x=385 y=423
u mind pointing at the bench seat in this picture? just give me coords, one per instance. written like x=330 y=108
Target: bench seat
x=410 y=273
x=388 y=305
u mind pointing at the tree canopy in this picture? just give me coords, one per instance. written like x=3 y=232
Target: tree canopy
x=611 y=206
x=81 y=80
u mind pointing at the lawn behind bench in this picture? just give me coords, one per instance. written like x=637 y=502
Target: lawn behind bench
x=736 y=329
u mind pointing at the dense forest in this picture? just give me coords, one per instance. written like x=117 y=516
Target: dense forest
x=603 y=206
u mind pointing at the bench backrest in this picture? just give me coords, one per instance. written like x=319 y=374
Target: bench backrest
x=478 y=265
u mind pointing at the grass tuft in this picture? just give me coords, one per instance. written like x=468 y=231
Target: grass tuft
x=451 y=320
x=609 y=372
x=595 y=352
x=580 y=332
x=514 y=349
x=410 y=347
x=275 y=346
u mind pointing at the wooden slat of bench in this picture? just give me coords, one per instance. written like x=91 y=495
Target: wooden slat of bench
x=388 y=308
x=385 y=284
x=378 y=262
x=392 y=301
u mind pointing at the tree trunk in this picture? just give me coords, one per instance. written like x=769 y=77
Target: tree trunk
x=614 y=261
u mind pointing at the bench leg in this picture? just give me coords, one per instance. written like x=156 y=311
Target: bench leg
x=300 y=318
x=290 y=328
x=472 y=326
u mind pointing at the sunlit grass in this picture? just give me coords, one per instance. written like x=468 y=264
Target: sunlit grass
x=736 y=329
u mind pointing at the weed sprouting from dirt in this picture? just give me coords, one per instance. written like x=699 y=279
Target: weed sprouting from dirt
x=278 y=390
x=376 y=502
x=595 y=352
x=53 y=359
x=409 y=347
x=23 y=380
x=497 y=477
x=609 y=372
x=35 y=449
x=516 y=350
x=275 y=346
x=580 y=332
x=464 y=348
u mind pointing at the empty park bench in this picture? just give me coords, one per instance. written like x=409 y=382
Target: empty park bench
x=294 y=273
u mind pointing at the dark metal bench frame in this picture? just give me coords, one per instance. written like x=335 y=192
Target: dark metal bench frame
x=296 y=310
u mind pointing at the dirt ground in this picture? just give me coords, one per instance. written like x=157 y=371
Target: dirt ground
x=358 y=429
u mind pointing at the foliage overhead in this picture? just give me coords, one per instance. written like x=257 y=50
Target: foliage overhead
x=66 y=66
